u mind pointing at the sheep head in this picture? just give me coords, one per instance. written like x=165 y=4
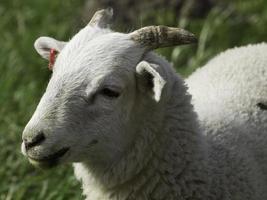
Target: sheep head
x=101 y=94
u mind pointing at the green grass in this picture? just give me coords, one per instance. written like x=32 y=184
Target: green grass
x=24 y=75
x=23 y=78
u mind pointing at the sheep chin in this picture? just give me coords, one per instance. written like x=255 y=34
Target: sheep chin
x=50 y=160
x=43 y=164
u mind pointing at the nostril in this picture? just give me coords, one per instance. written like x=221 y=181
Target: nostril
x=38 y=139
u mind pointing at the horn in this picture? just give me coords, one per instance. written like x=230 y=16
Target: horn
x=152 y=37
x=102 y=18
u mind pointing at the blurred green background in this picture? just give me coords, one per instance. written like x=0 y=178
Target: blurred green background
x=24 y=75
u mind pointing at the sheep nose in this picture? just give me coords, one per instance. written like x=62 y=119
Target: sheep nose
x=38 y=139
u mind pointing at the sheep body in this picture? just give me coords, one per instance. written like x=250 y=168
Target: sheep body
x=232 y=85
x=229 y=82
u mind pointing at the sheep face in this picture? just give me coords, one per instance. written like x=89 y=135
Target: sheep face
x=86 y=108
x=92 y=107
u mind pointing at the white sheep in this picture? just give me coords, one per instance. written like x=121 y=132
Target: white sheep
x=233 y=86
x=124 y=117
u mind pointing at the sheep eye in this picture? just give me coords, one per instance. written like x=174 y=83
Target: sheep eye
x=109 y=93
x=262 y=106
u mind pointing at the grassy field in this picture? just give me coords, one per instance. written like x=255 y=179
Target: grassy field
x=24 y=75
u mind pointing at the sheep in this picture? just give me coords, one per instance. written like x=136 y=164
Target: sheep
x=123 y=116
x=234 y=87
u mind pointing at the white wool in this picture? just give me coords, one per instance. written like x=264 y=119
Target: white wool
x=145 y=144
x=233 y=82
x=226 y=92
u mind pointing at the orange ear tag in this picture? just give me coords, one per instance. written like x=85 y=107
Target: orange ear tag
x=52 y=59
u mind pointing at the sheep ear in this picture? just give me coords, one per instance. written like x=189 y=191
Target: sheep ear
x=150 y=79
x=43 y=45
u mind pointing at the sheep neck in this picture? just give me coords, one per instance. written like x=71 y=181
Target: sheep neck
x=171 y=159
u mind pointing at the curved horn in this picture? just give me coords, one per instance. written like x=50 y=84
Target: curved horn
x=152 y=37
x=102 y=18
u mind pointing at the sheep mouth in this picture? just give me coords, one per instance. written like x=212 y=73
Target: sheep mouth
x=50 y=160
